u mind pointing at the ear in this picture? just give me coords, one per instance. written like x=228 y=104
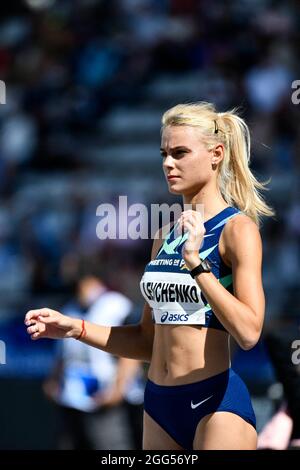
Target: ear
x=217 y=154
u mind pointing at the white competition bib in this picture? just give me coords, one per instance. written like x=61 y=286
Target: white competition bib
x=175 y=298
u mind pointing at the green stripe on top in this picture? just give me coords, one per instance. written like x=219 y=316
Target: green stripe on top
x=223 y=222
x=204 y=254
x=171 y=248
x=226 y=280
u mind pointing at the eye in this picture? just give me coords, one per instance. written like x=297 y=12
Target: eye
x=179 y=153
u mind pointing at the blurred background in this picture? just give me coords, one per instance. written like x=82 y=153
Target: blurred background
x=86 y=84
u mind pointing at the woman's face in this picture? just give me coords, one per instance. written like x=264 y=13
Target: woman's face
x=187 y=163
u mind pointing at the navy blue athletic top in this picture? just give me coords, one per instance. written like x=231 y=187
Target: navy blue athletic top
x=173 y=295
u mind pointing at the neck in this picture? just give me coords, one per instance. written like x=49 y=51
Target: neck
x=209 y=197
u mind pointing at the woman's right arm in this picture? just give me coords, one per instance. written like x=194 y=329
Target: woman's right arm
x=132 y=341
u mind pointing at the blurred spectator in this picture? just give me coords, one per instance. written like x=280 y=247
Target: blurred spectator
x=262 y=96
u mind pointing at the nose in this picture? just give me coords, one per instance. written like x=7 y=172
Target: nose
x=168 y=162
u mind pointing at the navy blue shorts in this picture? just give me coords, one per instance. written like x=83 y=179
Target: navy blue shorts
x=179 y=408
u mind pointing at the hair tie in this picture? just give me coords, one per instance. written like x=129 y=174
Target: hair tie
x=216 y=127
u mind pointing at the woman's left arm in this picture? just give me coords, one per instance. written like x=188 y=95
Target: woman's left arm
x=242 y=314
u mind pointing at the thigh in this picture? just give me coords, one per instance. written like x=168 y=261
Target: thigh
x=155 y=438
x=223 y=431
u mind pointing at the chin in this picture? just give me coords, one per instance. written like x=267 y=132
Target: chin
x=174 y=188
x=179 y=189
x=175 y=191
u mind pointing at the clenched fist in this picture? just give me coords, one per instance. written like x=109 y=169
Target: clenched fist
x=47 y=323
x=192 y=222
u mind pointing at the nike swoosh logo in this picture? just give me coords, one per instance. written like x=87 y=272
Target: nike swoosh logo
x=195 y=405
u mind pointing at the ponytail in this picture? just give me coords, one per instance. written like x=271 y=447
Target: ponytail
x=237 y=184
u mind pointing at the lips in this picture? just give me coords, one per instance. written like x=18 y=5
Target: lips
x=170 y=177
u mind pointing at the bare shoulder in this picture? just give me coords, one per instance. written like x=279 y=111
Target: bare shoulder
x=240 y=223
x=159 y=238
x=240 y=237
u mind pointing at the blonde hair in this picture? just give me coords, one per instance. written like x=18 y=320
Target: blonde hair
x=237 y=184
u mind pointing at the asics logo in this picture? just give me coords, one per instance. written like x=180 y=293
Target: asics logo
x=164 y=317
x=195 y=405
x=173 y=317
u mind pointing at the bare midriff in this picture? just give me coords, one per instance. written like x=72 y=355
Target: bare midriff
x=185 y=354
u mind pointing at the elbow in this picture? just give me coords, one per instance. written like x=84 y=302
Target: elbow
x=248 y=342
x=251 y=333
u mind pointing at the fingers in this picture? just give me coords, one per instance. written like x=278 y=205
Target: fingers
x=33 y=329
x=182 y=224
x=34 y=320
x=32 y=316
x=36 y=331
x=192 y=216
x=35 y=336
x=42 y=322
x=192 y=243
x=191 y=212
x=192 y=220
x=190 y=227
x=49 y=319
